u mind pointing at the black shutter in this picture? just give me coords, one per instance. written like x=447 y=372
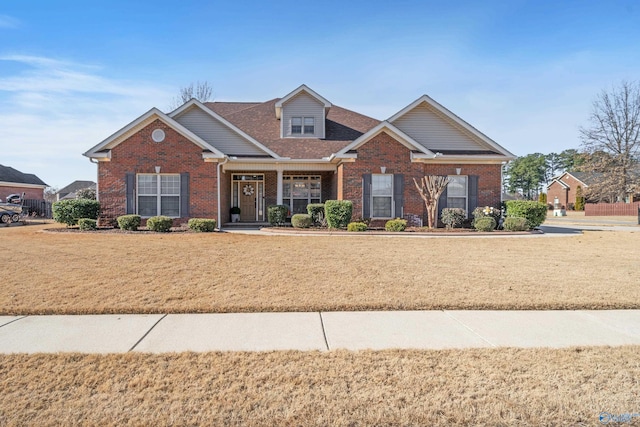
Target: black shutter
x=398 y=194
x=366 y=195
x=129 y=187
x=473 y=193
x=184 y=195
x=442 y=202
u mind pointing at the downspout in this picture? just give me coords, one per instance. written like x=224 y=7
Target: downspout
x=91 y=159
x=220 y=164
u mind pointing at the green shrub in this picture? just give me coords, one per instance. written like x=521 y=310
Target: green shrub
x=514 y=223
x=486 y=211
x=202 y=225
x=277 y=214
x=338 y=213
x=453 y=217
x=396 y=225
x=160 y=223
x=356 y=226
x=534 y=212
x=87 y=224
x=316 y=210
x=542 y=198
x=485 y=224
x=129 y=222
x=301 y=221
x=70 y=211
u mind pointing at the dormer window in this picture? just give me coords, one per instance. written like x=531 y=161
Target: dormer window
x=297 y=127
x=309 y=126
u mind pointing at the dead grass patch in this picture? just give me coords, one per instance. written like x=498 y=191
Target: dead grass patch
x=72 y=273
x=460 y=387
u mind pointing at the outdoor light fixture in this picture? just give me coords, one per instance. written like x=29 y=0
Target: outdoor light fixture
x=458 y=170
x=383 y=169
x=157 y=169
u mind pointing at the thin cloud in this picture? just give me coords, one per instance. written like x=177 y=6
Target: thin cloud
x=9 y=22
x=53 y=110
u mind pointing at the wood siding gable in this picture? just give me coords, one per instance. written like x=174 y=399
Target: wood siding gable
x=217 y=134
x=436 y=132
x=303 y=105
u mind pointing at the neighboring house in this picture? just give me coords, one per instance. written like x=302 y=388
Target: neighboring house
x=13 y=181
x=202 y=159
x=565 y=188
x=69 y=192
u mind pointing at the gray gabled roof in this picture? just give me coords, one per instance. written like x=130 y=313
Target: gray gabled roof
x=75 y=186
x=9 y=174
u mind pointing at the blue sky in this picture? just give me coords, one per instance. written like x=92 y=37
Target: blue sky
x=523 y=72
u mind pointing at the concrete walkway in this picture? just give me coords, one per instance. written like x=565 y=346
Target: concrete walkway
x=323 y=331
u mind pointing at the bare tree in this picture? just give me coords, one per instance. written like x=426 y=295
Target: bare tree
x=614 y=132
x=202 y=91
x=431 y=188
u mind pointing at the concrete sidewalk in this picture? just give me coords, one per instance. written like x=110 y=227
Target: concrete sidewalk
x=323 y=331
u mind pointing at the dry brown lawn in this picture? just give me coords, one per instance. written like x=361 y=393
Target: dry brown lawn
x=470 y=387
x=72 y=273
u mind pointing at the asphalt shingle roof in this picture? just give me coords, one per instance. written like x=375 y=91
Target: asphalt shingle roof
x=9 y=174
x=259 y=121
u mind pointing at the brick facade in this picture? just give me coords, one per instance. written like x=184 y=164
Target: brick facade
x=30 y=193
x=383 y=150
x=566 y=196
x=140 y=154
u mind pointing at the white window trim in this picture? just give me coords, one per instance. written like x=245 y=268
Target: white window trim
x=466 y=192
x=302 y=126
x=393 y=204
x=158 y=195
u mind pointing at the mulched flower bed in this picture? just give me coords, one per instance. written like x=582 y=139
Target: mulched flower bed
x=113 y=230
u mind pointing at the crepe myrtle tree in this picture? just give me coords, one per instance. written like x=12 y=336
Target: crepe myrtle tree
x=431 y=188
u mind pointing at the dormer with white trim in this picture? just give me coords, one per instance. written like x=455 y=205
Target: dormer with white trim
x=302 y=114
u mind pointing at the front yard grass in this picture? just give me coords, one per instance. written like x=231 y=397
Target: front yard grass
x=452 y=387
x=73 y=273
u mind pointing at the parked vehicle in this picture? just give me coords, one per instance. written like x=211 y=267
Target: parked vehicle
x=12 y=209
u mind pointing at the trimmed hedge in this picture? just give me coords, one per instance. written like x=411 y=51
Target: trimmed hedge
x=396 y=225
x=485 y=224
x=301 y=221
x=534 y=212
x=277 y=214
x=161 y=224
x=129 y=222
x=453 y=217
x=70 y=211
x=87 y=224
x=514 y=223
x=356 y=226
x=316 y=210
x=338 y=213
x=202 y=225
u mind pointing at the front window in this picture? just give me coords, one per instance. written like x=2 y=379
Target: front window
x=382 y=196
x=299 y=191
x=457 y=192
x=159 y=195
x=309 y=127
x=296 y=125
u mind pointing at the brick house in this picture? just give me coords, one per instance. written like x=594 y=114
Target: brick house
x=565 y=188
x=202 y=159
x=12 y=181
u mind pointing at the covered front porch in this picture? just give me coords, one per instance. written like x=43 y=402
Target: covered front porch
x=248 y=189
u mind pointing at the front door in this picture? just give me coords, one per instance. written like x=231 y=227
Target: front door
x=248 y=198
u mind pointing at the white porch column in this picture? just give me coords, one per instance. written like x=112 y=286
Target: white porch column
x=279 y=187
